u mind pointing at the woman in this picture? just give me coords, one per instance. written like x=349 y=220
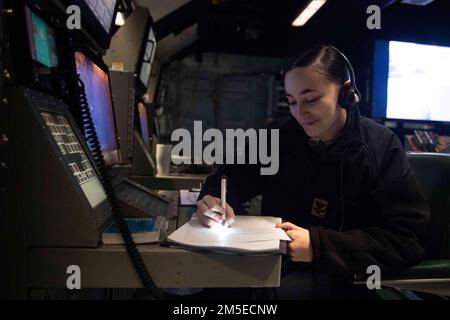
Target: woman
x=344 y=186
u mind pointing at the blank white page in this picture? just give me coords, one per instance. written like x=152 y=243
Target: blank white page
x=247 y=233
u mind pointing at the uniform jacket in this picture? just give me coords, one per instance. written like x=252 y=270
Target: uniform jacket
x=356 y=195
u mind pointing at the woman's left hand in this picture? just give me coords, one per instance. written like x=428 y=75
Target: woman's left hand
x=299 y=249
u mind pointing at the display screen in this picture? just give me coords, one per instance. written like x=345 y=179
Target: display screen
x=96 y=83
x=410 y=81
x=147 y=60
x=41 y=40
x=144 y=75
x=148 y=54
x=147 y=202
x=143 y=120
x=75 y=157
x=103 y=11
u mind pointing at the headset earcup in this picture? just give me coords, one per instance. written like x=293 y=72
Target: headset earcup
x=348 y=97
x=353 y=97
x=342 y=98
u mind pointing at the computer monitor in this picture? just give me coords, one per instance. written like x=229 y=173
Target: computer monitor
x=147 y=59
x=104 y=11
x=77 y=160
x=76 y=209
x=41 y=40
x=410 y=81
x=143 y=121
x=96 y=83
x=97 y=19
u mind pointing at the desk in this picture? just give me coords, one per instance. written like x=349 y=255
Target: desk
x=175 y=182
x=108 y=266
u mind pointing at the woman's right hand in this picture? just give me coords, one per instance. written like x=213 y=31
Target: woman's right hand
x=210 y=212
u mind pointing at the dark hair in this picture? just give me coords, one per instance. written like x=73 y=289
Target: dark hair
x=326 y=60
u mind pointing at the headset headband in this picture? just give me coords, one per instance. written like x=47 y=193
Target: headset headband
x=349 y=65
x=349 y=96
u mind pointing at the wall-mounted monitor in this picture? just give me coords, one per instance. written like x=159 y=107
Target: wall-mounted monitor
x=75 y=156
x=410 y=81
x=97 y=18
x=97 y=87
x=104 y=11
x=143 y=122
x=41 y=40
x=147 y=58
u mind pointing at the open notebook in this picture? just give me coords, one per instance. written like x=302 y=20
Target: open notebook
x=247 y=235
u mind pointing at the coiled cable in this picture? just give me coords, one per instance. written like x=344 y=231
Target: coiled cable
x=91 y=137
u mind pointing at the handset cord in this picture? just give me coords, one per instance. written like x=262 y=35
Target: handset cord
x=341 y=170
x=92 y=140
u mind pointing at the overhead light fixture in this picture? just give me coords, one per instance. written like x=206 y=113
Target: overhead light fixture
x=120 y=19
x=417 y=2
x=308 y=12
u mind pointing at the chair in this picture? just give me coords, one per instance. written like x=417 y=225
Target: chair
x=432 y=275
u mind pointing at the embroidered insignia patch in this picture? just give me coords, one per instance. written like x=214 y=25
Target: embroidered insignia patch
x=319 y=208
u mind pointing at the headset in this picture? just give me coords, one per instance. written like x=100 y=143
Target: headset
x=349 y=96
x=349 y=99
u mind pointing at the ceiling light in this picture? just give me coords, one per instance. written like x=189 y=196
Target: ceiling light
x=308 y=12
x=120 y=19
x=417 y=2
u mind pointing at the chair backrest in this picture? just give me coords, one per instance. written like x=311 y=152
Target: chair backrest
x=432 y=171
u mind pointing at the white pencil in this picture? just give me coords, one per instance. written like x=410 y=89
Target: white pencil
x=223 y=196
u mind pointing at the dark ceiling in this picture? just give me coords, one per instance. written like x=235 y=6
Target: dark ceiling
x=258 y=27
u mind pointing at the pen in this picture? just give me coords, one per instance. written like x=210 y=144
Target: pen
x=223 y=196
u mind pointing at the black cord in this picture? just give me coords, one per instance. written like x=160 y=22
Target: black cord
x=92 y=140
x=341 y=168
x=341 y=188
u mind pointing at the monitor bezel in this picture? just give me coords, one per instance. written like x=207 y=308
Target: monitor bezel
x=57 y=106
x=372 y=81
x=140 y=85
x=33 y=9
x=146 y=123
x=91 y=26
x=27 y=71
x=100 y=64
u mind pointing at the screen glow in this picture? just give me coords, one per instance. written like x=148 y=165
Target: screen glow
x=41 y=40
x=96 y=83
x=418 y=86
x=103 y=11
